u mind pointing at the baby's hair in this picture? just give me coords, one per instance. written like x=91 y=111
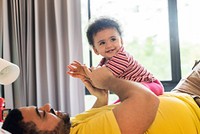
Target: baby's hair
x=99 y=25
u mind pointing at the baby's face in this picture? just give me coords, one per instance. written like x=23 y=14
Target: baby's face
x=107 y=42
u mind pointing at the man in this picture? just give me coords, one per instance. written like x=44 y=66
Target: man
x=139 y=112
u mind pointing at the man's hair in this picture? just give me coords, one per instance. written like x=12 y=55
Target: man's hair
x=99 y=25
x=14 y=124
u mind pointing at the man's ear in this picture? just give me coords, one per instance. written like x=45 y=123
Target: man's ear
x=95 y=50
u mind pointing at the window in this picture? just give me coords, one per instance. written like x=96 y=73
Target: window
x=189 y=33
x=163 y=35
x=145 y=28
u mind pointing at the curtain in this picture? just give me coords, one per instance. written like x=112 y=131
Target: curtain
x=42 y=37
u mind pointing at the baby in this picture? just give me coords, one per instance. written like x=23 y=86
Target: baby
x=105 y=37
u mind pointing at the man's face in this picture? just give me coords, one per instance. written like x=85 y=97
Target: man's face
x=44 y=117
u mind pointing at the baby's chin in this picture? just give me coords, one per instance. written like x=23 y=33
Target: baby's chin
x=109 y=56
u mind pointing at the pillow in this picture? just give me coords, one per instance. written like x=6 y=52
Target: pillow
x=2 y=131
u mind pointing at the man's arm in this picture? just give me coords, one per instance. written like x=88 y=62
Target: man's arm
x=138 y=106
x=100 y=94
x=76 y=70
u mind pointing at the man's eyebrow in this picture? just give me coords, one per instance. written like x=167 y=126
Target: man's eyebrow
x=38 y=113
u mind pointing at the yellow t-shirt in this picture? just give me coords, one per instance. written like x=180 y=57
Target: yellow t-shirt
x=95 y=121
x=177 y=114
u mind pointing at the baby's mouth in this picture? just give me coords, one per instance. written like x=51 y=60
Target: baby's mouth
x=110 y=51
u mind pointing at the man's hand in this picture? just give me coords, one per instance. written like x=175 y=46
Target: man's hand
x=77 y=70
x=100 y=94
x=99 y=77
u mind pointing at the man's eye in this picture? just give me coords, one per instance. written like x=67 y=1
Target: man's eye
x=42 y=113
x=52 y=111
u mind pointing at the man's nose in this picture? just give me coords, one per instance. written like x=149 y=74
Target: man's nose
x=46 y=107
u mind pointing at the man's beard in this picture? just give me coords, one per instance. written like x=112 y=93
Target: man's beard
x=66 y=119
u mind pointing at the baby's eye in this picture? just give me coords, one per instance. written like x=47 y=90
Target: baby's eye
x=113 y=39
x=102 y=43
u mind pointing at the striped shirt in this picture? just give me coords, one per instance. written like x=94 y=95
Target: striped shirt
x=124 y=66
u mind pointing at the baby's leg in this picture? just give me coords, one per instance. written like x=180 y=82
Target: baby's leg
x=156 y=87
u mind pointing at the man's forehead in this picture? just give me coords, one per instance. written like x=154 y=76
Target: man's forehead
x=29 y=107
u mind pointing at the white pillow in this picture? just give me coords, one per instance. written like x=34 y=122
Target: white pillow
x=2 y=131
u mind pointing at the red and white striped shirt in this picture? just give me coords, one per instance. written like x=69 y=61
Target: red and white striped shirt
x=123 y=65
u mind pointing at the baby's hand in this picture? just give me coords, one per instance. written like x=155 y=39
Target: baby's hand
x=76 y=70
